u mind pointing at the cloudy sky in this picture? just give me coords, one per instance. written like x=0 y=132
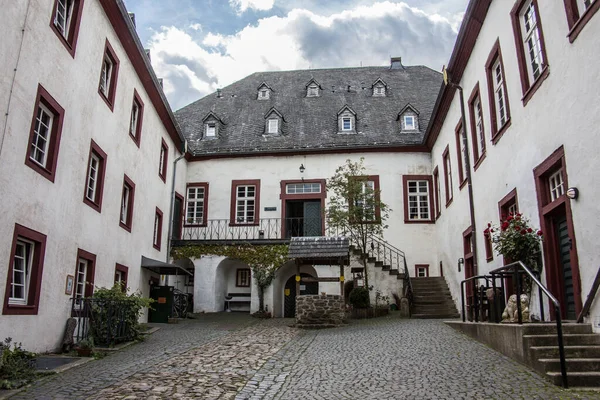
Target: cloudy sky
x=198 y=46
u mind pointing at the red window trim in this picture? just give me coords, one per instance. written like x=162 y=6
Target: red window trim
x=462 y=179
x=110 y=52
x=284 y=196
x=137 y=135
x=377 y=190
x=429 y=179
x=495 y=54
x=529 y=88
x=49 y=172
x=158 y=243
x=97 y=204
x=90 y=273
x=164 y=146
x=71 y=43
x=447 y=161
x=489 y=253
x=417 y=266
x=578 y=22
x=232 y=214
x=125 y=271
x=129 y=223
x=205 y=213
x=506 y=202
x=237 y=276
x=477 y=158
x=182 y=215
x=37 y=270
x=436 y=185
x=467 y=243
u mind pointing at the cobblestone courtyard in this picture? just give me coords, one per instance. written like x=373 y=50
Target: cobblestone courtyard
x=232 y=356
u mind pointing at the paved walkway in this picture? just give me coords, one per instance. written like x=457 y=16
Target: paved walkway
x=232 y=356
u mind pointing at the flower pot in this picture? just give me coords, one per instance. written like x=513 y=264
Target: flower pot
x=84 y=352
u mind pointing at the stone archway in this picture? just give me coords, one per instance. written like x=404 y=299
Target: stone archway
x=287 y=271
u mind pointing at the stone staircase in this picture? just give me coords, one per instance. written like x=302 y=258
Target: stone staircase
x=432 y=299
x=582 y=353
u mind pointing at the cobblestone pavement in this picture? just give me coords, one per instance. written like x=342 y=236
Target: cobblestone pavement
x=231 y=356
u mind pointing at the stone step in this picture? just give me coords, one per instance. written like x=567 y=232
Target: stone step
x=386 y=267
x=394 y=272
x=570 y=351
x=576 y=379
x=435 y=316
x=568 y=339
x=432 y=297
x=550 y=328
x=445 y=294
x=573 y=364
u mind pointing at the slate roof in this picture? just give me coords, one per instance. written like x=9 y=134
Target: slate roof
x=319 y=248
x=311 y=122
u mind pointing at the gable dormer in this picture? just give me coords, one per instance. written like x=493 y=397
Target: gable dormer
x=264 y=92
x=346 y=120
x=379 y=88
x=212 y=126
x=408 y=118
x=313 y=88
x=273 y=122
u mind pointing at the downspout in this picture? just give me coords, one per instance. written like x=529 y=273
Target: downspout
x=172 y=207
x=12 y=84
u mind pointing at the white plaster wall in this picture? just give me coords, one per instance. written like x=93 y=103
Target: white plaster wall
x=56 y=209
x=417 y=240
x=558 y=114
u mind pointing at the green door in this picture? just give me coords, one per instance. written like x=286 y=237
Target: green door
x=162 y=308
x=312 y=218
x=564 y=250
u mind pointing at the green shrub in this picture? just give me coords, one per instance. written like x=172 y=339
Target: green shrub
x=17 y=366
x=359 y=297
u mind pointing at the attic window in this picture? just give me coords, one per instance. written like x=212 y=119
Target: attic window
x=263 y=94
x=313 y=91
x=379 y=91
x=211 y=129
x=409 y=123
x=346 y=124
x=273 y=126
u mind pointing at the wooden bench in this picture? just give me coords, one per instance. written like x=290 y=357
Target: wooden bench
x=239 y=301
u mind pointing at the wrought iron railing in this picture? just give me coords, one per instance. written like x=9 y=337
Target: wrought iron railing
x=264 y=228
x=481 y=307
x=107 y=321
x=395 y=258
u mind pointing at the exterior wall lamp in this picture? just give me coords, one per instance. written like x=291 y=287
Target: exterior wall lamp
x=302 y=168
x=461 y=262
x=573 y=193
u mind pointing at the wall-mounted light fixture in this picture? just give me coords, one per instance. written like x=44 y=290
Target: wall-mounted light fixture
x=573 y=193
x=461 y=262
x=302 y=168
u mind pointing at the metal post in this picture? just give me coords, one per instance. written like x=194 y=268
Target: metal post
x=561 y=348
x=462 y=298
x=519 y=312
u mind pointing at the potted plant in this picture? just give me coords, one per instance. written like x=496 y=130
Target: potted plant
x=84 y=347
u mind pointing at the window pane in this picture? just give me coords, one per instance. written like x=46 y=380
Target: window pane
x=41 y=136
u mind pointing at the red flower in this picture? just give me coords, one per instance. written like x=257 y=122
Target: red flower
x=523 y=232
x=539 y=233
x=510 y=217
x=529 y=230
x=489 y=224
x=505 y=226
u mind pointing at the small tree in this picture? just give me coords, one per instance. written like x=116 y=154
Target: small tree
x=355 y=207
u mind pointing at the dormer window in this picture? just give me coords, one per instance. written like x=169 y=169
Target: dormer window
x=346 y=120
x=379 y=91
x=313 y=88
x=409 y=123
x=379 y=88
x=211 y=129
x=273 y=122
x=212 y=126
x=273 y=125
x=408 y=119
x=264 y=92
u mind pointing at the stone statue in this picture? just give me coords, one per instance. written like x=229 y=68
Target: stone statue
x=524 y=309
x=67 y=344
x=511 y=313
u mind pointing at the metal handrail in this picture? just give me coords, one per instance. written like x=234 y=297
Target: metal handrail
x=395 y=253
x=515 y=266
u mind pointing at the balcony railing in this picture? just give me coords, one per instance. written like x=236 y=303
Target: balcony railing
x=262 y=229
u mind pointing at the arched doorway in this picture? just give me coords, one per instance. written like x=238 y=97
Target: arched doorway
x=289 y=305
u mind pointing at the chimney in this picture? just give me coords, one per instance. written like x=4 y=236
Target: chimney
x=147 y=51
x=396 y=63
x=219 y=93
x=132 y=16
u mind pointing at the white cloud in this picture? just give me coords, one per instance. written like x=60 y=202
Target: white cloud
x=366 y=35
x=196 y=27
x=242 y=5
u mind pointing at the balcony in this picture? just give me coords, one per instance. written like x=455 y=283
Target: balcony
x=268 y=230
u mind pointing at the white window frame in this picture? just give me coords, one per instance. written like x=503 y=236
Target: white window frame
x=135 y=116
x=556 y=185
x=245 y=205
x=313 y=91
x=157 y=219
x=512 y=209
x=195 y=205
x=92 y=180
x=64 y=13
x=367 y=188
x=263 y=94
x=344 y=120
x=24 y=257
x=532 y=44
x=499 y=94
x=463 y=153
x=421 y=272
x=418 y=190
x=161 y=162
x=42 y=134
x=106 y=75
x=412 y=125
x=242 y=278
x=448 y=177
x=583 y=5
x=273 y=125
x=302 y=188
x=119 y=276
x=81 y=278
x=480 y=132
x=125 y=203
x=379 y=90
x=211 y=129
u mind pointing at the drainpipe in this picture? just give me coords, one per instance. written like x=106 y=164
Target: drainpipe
x=171 y=210
x=467 y=164
x=12 y=84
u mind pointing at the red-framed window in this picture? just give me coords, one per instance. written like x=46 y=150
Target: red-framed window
x=242 y=277
x=245 y=202
x=162 y=160
x=136 y=117
x=497 y=92
x=127 y=202
x=196 y=210
x=437 y=192
x=579 y=13
x=422 y=270
x=531 y=49
x=489 y=252
x=366 y=206
x=121 y=274
x=509 y=205
x=109 y=72
x=157 y=231
x=447 y=175
x=94 y=179
x=44 y=135
x=85 y=272
x=418 y=199
x=25 y=269
x=65 y=21
x=460 y=155
x=477 y=127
